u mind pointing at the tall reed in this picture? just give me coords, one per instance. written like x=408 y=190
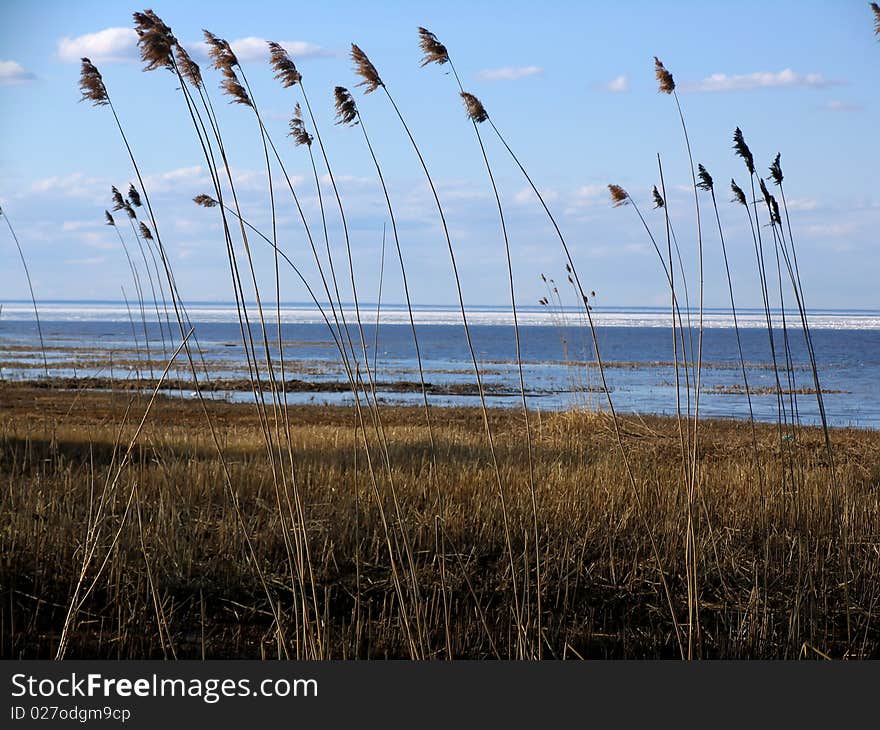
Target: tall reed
x=436 y=52
x=27 y=275
x=371 y=81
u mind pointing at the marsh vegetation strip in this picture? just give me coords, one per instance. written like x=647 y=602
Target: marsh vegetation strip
x=601 y=594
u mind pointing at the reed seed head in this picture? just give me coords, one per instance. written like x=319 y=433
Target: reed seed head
x=346 y=109
x=742 y=150
x=145 y=231
x=188 y=68
x=619 y=196
x=738 y=195
x=774 y=210
x=298 y=128
x=434 y=50
x=118 y=200
x=776 y=169
x=128 y=209
x=233 y=88
x=364 y=68
x=665 y=81
x=108 y=219
x=285 y=68
x=706 y=182
x=220 y=53
x=156 y=42
x=206 y=201
x=658 y=199
x=91 y=84
x=876 y=8
x=473 y=106
x=134 y=197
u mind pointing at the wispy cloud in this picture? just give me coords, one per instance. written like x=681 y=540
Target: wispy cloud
x=617 y=85
x=253 y=48
x=787 y=78
x=12 y=72
x=111 y=45
x=509 y=73
x=836 y=105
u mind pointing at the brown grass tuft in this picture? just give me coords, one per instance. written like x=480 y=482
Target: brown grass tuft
x=776 y=169
x=91 y=84
x=346 y=109
x=156 y=42
x=220 y=53
x=658 y=199
x=109 y=218
x=474 y=107
x=742 y=150
x=434 y=50
x=738 y=195
x=188 y=68
x=706 y=183
x=664 y=78
x=134 y=197
x=619 y=196
x=285 y=69
x=298 y=128
x=145 y=231
x=206 y=201
x=366 y=70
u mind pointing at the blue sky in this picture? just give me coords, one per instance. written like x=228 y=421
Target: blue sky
x=570 y=84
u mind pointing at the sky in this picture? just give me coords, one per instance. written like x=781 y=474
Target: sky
x=569 y=84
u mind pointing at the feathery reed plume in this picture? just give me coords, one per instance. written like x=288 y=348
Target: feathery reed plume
x=346 y=109
x=129 y=209
x=664 y=78
x=91 y=84
x=188 y=68
x=285 y=69
x=145 y=231
x=776 y=169
x=364 y=68
x=619 y=196
x=706 y=183
x=233 y=88
x=109 y=218
x=155 y=41
x=206 y=201
x=738 y=195
x=220 y=52
x=742 y=150
x=434 y=50
x=298 y=128
x=658 y=199
x=134 y=197
x=118 y=200
x=475 y=110
x=876 y=8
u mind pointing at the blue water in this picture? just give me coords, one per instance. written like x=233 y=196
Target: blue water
x=93 y=338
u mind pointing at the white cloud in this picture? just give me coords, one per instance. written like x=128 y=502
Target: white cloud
x=12 y=72
x=835 y=105
x=617 y=85
x=832 y=230
x=509 y=73
x=256 y=49
x=111 y=45
x=588 y=193
x=526 y=196
x=758 y=80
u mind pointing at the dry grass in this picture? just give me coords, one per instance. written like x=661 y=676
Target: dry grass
x=770 y=581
